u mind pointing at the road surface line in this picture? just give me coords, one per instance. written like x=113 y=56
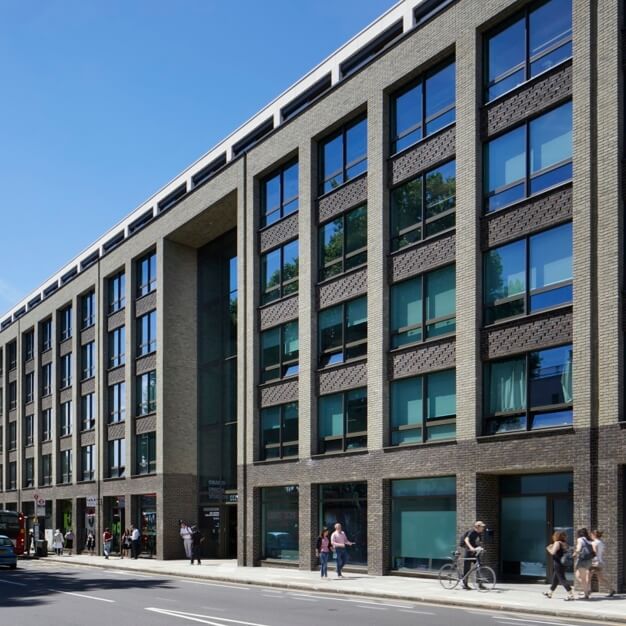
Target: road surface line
x=414 y=611
x=371 y=608
x=81 y=595
x=199 y=582
x=12 y=582
x=528 y=621
x=352 y=600
x=195 y=617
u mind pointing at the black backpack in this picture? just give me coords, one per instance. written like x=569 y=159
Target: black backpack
x=586 y=551
x=462 y=539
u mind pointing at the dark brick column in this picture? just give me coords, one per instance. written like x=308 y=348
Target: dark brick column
x=377 y=538
x=308 y=525
x=488 y=510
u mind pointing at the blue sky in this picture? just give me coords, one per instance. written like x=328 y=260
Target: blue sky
x=105 y=101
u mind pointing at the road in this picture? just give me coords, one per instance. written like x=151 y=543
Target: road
x=41 y=593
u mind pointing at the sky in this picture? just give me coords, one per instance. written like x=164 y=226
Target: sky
x=105 y=101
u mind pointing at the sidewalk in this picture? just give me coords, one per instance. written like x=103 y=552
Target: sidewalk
x=525 y=598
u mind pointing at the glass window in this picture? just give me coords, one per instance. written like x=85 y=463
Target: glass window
x=12 y=396
x=12 y=482
x=146 y=274
x=117 y=458
x=12 y=355
x=423 y=408
x=87 y=462
x=88 y=360
x=424 y=206
x=66 y=370
x=29 y=430
x=530 y=392
x=423 y=522
x=117 y=347
x=65 y=323
x=117 y=403
x=29 y=473
x=29 y=387
x=46 y=335
x=12 y=435
x=343 y=421
x=65 y=423
x=343 y=155
x=65 y=466
x=88 y=309
x=430 y=297
x=146 y=453
x=146 y=394
x=280 y=523
x=279 y=272
x=46 y=469
x=343 y=243
x=117 y=292
x=531 y=42
x=424 y=107
x=146 y=333
x=28 y=340
x=343 y=332
x=279 y=352
x=279 y=431
x=279 y=194
x=509 y=291
x=46 y=425
x=46 y=379
x=87 y=412
x=511 y=176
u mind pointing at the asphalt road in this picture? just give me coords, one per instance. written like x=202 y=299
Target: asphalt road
x=39 y=593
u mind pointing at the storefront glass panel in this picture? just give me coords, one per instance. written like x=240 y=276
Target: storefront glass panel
x=279 y=527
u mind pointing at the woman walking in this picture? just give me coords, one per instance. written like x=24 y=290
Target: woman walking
x=584 y=555
x=90 y=546
x=597 y=563
x=558 y=549
x=57 y=542
x=69 y=541
x=322 y=550
x=125 y=544
x=107 y=538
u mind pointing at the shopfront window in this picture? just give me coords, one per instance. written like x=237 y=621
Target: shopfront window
x=279 y=523
x=346 y=504
x=147 y=523
x=423 y=517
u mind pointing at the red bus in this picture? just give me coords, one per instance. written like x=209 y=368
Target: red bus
x=12 y=525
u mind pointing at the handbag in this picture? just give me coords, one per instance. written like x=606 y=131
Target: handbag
x=567 y=560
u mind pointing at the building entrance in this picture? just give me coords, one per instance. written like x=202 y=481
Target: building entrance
x=218 y=524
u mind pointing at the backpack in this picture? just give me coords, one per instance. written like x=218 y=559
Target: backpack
x=586 y=551
x=567 y=560
x=462 y=539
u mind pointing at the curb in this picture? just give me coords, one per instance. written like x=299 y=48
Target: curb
x=488 y=606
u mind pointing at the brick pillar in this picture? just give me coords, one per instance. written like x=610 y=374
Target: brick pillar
x=488 y=511
x=308 y=525
x=376 y=515
x=611 y=520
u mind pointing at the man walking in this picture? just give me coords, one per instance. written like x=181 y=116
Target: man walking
x=339 y=542
x=187 y=537
x=471 y=544
x=134 y=542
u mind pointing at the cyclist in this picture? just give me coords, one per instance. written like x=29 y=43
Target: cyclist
x=472 y=541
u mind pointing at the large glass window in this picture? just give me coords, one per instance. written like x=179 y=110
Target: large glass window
x=279 y=352
x=146 y=393
x=343 y=155
x=88 y=360
x=531 y=42
x=46 y=470
x=343 y=421
x=117 y=458
x=65 y=418
x=12 y=355
x=529 y=158
x=423 y=408
x=423 y=307
x=65 y=323
x=29 y=387
x=87 y=411
x=346 y=504
x=28 y=340
x=88 y=309
x=66 y=370
x=117 y=403
x=343 y=243
x=46 y=335
x=280 y=523
x=529 y=392
x=87 y=462
x=117 y=292
x=279 y=272
x=343 y=332
x=146 y=274
x=29 y=430
x=147 y=333
x=12 y=395
x=12 y=435
x=29 y=473
x=117 y=347
x=46 y=379
x=279 y=431
x=145 y=451
x=529 y=275
x=12 y=479
x=279 y=194
x=424 y=206
x=46 y=425
x=65 y=467
x=423 y=522
x=423 y=108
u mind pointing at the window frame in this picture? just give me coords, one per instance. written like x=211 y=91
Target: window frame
x=29 y=473
x=345 y=437
x=88 y=309
x=46 y=380
x=87 y=462
x=116 y=343
x=65 y=477
x=12 y=436
x=65 y=379
x=146 y=344
x=65 y=323
x=284 y=364
x=46 y=335
x=46 y=470
x=87 y=412
x=151 y=462
x=47 y=426
x=148 y=407
x=529 y=412
x=420 y=80
x=29 y=430
x=28 y=339
x=283 y=442
x=12 y=355
x=345 y=345
x=88 y=360
x=283 y=284
x=342 y=132
x=116 y=292
x=12 y=395
x=149 y=261
x=521 y=15
x=284 y=202
x=116 y=391
x=66 y=426
x=116 y=448
x=29 y=387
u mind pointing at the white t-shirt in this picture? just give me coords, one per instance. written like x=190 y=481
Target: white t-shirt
x=135 y=534
x=598 y=559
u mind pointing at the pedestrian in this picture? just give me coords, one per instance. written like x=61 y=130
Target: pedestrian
x=125 y=544
x=107 y=538
x=31 y=542
x=196 y=541
x=69 y=541
x=471 y=544
x=340 y=542
x=57 y=542
x=135 y=541
x=90 y=545
x=186 y=536
x=559 y=550
x=322 y=550
x=597 y=563
x=584 y=556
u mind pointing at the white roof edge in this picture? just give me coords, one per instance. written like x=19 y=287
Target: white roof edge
x=330 y=64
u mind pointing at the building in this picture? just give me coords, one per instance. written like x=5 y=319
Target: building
x=394 y=298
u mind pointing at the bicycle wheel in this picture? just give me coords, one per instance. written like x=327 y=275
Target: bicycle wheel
x=485 y=578
x=449 y=576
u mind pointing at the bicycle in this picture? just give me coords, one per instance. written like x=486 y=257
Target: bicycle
x=451 y=574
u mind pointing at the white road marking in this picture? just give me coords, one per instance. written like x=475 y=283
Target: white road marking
x=198 y=582
x=417 y=612
x=81 y=595
x=352 y=600
x=527 y=621
x=202 y=619
x=371 y=608
x=12 y=582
